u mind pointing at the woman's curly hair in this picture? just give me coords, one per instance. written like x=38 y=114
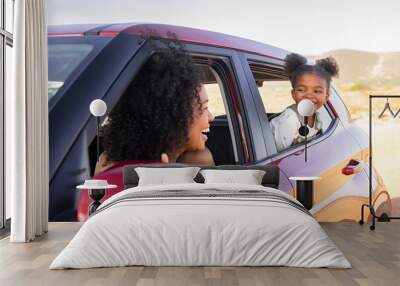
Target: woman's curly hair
x=154 y=113
x=296 y=65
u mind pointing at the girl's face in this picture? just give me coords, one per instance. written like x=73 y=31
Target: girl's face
x=313 y=87
x=201 y=123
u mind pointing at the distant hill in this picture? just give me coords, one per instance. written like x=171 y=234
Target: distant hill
x=370 y=68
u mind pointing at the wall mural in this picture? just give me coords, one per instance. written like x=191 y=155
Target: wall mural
x=83 y=68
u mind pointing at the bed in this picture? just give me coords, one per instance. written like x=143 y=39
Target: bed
x=201 y=224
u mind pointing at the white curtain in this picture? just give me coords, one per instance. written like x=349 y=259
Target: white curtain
x=27 y=124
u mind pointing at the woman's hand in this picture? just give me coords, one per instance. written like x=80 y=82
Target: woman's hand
x=164 y=158
x=102 y=164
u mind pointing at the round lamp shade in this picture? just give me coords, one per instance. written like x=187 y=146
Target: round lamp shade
x=98 y=107
x=305 y=107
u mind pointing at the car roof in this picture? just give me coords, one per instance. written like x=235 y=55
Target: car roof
x=185 y=34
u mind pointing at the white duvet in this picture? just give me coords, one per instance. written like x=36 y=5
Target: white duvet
x=190 y=230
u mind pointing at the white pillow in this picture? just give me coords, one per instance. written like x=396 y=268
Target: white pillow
x=160 y=176
x=249 y=177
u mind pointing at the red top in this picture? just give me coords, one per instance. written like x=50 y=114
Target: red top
x=114 y=176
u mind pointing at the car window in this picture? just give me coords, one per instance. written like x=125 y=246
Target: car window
x=219 y=142
x=63 y=60
x=216 y=102
x=275 y=92
x=227 y=138
x=325 y=117
x=221 y=138
x=68 y=57
x=275 y=95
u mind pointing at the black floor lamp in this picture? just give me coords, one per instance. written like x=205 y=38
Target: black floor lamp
x=98 y=108
x=369 y=205
x=305 y=108
x=96 y=188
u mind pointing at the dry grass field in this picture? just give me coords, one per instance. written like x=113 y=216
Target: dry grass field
x=385 y=131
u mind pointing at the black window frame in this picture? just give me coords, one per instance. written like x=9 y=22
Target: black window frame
x=6 y=39
x=222 y=66
x=246 y=124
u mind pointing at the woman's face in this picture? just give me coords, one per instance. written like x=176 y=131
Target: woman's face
x=311 y=86
x=201 y=123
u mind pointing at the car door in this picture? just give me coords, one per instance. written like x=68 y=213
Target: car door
x=338 y=195
x=71 y=127
x=246 y=130
x=71 y=146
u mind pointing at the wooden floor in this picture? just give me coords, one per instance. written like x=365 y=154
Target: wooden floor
x=374 y=255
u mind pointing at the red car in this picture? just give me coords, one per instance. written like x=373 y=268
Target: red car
x=247 y=86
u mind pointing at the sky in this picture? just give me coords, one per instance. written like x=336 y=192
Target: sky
x=308 y=27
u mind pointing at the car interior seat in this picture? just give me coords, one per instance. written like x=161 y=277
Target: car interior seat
x=219 y=141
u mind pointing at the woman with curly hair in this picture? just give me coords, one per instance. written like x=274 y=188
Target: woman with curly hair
x=161 y=117
x=308 y=82
x=162 y=113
